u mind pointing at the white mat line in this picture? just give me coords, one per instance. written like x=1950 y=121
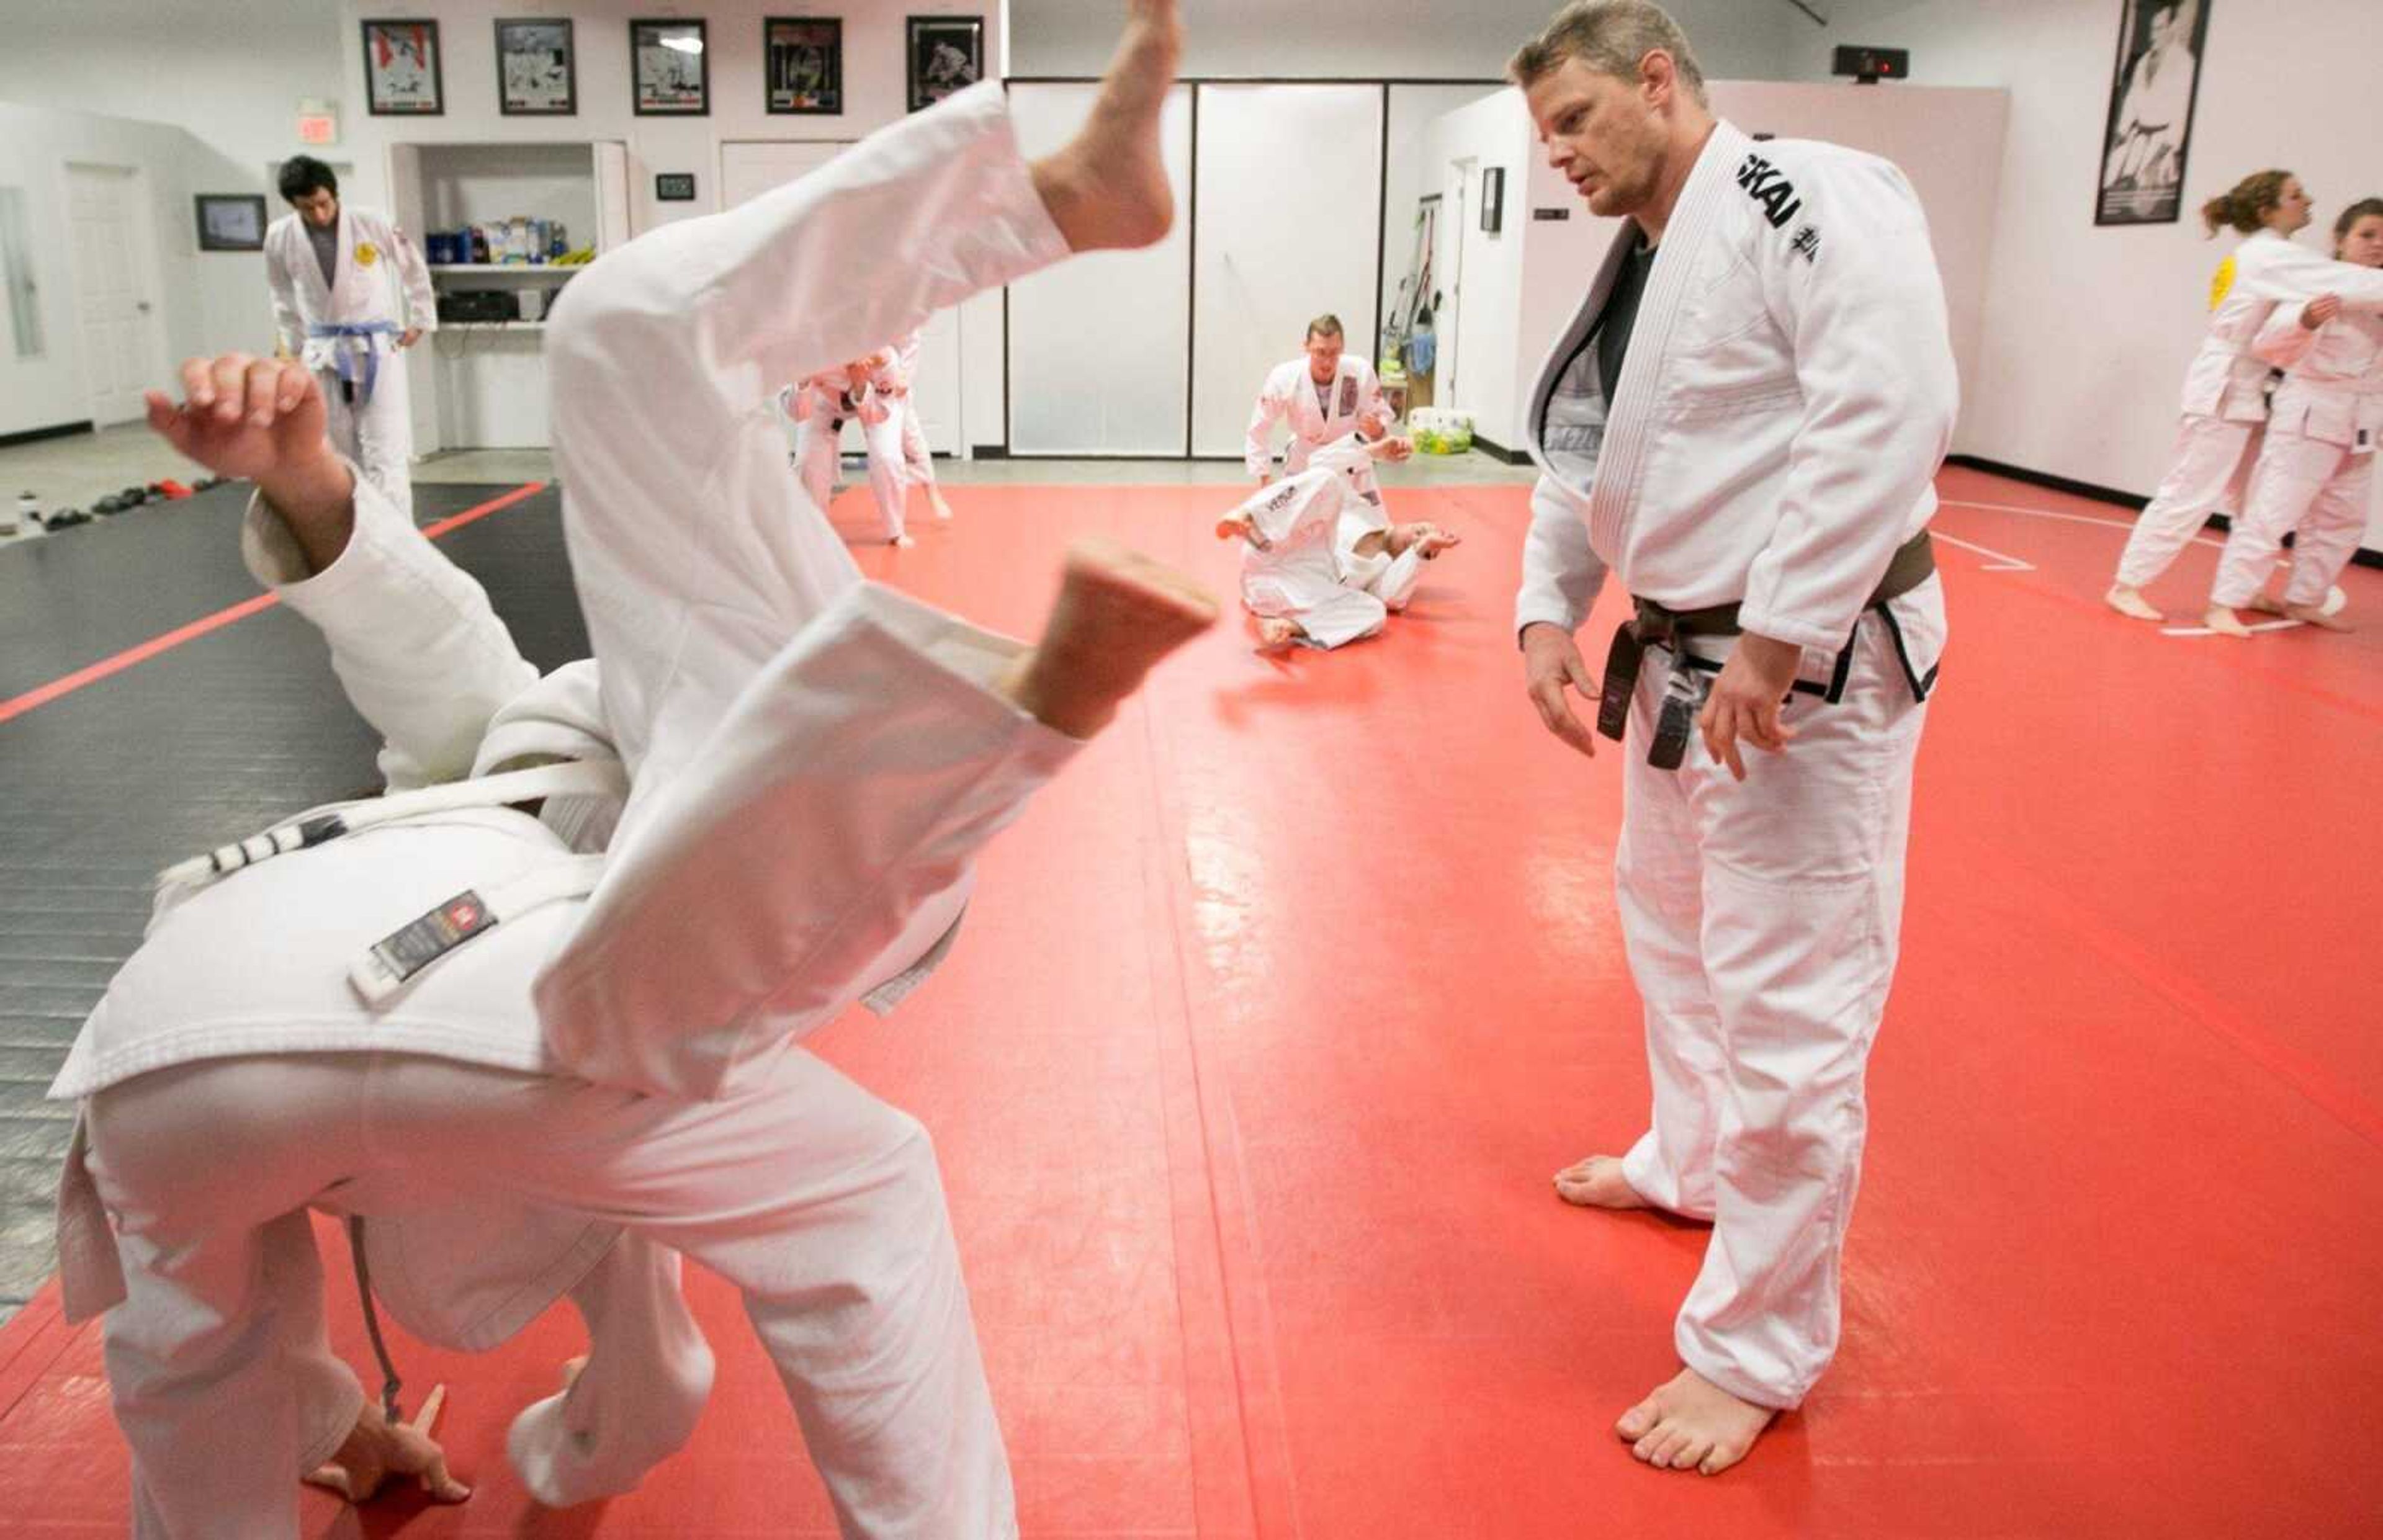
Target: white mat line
x=2003 y=561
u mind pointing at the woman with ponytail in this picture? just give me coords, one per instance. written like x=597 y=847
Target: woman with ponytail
x=2224 y=389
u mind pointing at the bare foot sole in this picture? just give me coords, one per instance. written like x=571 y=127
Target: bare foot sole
x=1117 y=613
x=1108 y=188
x=1691 y=1424
x=2224 y=621
x=2317 y=615
x=1598 y=1183
x=2130 y=602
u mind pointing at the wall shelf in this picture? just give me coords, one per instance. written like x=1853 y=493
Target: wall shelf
x=521 y=269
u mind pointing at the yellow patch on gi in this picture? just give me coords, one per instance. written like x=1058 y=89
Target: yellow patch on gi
x=2220 y=282
x=366 y=254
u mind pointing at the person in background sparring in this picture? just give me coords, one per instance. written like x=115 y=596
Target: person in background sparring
x=1743 y=421
x=2315 y=473
x=350 y=294
x=809 y=764
x=1321 y=562
x=866 y=391
x=2226 y=387
x=1322 y=395
x=917 y=461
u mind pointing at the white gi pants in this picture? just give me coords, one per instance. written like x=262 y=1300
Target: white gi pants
x=377 y=436
x=2320 y=488
x=699 y=570
x=917 y=460
x=1761 y=921
x=819 y=442
x=2212 y=457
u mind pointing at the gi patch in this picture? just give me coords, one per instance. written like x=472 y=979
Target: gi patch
x=1806 y=243
x=366 y=254
x=1768 y=186
x=1348 y=394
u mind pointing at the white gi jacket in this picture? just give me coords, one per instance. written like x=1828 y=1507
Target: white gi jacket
x=1288 y=396
x=372 y=251
x=2333 y=376
x=2225 y=378
x=1789 y=393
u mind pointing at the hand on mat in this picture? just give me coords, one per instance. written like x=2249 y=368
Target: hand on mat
x=243 y=418
x=1550 y=662
x=374 y=1451
x=1744 y=699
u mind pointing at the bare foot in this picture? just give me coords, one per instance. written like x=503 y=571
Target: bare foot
x=2317 y=614
x=2267 y=604
x=1108 y=187
x=1598 y=1183
x=1693 y=1425
x=1117 y=613
x=2224 y=621
x=943 y=510
x=902 y=542
x=1278 y=634
x=2130 y=601
x=1432 y=539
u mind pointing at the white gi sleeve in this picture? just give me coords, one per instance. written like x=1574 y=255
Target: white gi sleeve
x=1854 y=287
x=2283 y=341
x=422 y=655
x=1561 y=573
x=2279 y=270
x=288 y=329
x=1258 y=453
x=414 y=277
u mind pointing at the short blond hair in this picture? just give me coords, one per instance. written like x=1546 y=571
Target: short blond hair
x=1611 y=37
x=1323 y=326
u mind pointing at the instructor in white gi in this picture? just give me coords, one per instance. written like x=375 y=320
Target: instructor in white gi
x=810 y=763
x=350 y=294
x=1742 y=422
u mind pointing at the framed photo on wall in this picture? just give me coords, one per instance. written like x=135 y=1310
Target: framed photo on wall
x=1493 y=200
x=231 y=221
x=802 y=64
x=401 y=71
x=672 y=70
x=538 y=72
x=946 y=54
x=2150 y=129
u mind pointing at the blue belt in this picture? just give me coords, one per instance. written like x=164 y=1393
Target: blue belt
x=363 y=392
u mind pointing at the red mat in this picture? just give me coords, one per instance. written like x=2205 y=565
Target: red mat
x=1276 y=1014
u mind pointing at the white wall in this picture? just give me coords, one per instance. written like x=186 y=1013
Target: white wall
x=36 y=146
x=1482 y=343
x=1381 y=39
x=2088 y=331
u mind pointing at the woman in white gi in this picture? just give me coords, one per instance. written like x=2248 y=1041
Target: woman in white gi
x=1321 y=562
x=350 y=294
x=2226 y=388
x=868 y=391
x=626 y=1057
x=1743 y=421
x=1321 y=396
x=2316 y=470
x=917 y=460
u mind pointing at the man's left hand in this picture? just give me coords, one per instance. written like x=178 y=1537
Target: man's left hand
x=409 y=336
x=1746 y=699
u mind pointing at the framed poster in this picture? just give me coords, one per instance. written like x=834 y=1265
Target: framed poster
x=537 y=73
x=2150 y=128
x=1493 y=200
x=672 y=71
x=802 y=64
x=401 y=73
x=231 y=221
x=946 y=54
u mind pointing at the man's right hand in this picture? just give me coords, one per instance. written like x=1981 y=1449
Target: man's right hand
x=1551 y=663
x=244 y=418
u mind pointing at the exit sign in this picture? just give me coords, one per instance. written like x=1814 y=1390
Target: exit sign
x=317 y=123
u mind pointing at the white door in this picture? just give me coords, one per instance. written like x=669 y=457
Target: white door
x=115 y=289
x=749 y=167
x=1288 y=226
x=1456 y=206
